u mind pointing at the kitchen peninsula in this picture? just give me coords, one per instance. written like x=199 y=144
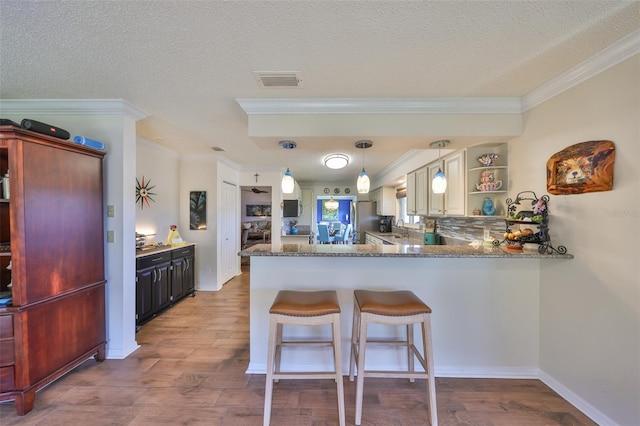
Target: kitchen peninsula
x=485 y=301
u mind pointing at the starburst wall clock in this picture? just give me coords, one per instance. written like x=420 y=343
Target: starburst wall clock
x=143 y=192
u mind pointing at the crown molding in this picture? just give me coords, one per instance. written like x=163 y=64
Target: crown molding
x=612 y=55
x=73 y=107
x=381 y=106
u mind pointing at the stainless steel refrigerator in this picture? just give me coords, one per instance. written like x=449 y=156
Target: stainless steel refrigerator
x=364 y=219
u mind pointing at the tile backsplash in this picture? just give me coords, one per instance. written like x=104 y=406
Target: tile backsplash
x=470 y=228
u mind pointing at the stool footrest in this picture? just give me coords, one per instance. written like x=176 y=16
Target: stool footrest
x=395 y=374
x=305 y=375
x=305 y=343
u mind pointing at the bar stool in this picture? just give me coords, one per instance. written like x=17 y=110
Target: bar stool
x=303 y=308
x=392 y=308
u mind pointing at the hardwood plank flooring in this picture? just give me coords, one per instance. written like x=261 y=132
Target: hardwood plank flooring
x=190 y=370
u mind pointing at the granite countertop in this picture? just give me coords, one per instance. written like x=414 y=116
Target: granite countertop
x=396 y=250
x=149 y=250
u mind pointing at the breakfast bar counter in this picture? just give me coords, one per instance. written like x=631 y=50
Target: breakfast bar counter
x=396 y=250
x=485 y=301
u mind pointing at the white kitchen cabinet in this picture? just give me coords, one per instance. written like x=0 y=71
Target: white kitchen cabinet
x=372 y=239
x=452 y=202
x=385 y=198
x=411 y=193
x=417 y=192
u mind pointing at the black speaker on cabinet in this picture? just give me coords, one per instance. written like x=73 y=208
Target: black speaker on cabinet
x=45 y=129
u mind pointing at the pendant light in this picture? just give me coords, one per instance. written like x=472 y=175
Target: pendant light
x=331 y=204
x=288 y=183
x=439 y=182
x=363 y=183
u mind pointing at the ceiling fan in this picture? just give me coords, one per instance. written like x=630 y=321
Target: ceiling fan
x=256 y=190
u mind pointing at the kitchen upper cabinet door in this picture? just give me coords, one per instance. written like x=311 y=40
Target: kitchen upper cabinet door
x=455 y=196
x=435 y=202
x=421 y=191
x=386 y=201
x=411 y=194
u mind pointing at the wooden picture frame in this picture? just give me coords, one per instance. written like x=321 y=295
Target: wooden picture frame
x=198 y=210
x=583 y=167
x=260 y=210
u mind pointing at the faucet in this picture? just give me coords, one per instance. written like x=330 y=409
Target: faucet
x=404 y=232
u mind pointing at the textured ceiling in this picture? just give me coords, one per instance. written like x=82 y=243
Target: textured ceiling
x=186 y=62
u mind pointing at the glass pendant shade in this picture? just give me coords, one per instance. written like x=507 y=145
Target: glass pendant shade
x=363 y=183
x=439 y=182
x=331 y=204
x=288 y=184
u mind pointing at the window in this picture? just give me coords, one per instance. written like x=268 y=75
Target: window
x=402 y=208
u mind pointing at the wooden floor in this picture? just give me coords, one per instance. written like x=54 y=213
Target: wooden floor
x=190 y=370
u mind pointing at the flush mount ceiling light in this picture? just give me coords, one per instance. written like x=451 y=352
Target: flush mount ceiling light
x=363 y=183
x=336 y=161
x=288 y=183
x=439 y=182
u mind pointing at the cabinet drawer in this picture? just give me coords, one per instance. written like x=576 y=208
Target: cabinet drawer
x=152 y=260
x=6 y=352
x=183 y=252
x=7 y=381
x=6 y=326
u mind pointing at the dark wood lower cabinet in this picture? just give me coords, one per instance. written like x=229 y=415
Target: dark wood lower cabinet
x=182 y=277
x=162 y=279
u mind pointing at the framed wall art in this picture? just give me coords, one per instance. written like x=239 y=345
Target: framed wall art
x=198 y=210
x=583 y=167
x=258 y=209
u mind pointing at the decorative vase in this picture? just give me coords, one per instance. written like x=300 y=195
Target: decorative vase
x=488 y=209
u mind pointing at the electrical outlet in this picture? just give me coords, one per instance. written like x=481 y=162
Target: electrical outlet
x=111 y=210
x=111 y=236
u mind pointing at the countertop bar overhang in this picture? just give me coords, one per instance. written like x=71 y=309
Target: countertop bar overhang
x=396 y=250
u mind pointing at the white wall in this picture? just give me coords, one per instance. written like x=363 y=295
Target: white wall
x=590 y=306
x=199 y=173
x=161 y=166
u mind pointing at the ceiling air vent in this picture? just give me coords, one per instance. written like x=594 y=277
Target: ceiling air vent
x=279 y=79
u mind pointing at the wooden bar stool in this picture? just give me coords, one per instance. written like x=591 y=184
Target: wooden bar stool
x=303 y=308
x=392 y=308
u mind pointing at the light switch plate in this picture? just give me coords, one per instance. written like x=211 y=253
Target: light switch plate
x=111 y=237
x=111 y=210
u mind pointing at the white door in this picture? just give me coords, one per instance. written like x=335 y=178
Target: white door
x=228 y=231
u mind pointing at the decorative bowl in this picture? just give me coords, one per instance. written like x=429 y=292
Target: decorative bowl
x=487 y=160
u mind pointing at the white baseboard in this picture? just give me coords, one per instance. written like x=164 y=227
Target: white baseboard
x=582 y=405
x=121 y=353
x=488 y=373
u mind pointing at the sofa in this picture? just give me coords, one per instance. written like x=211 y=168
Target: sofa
x=256 y=230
